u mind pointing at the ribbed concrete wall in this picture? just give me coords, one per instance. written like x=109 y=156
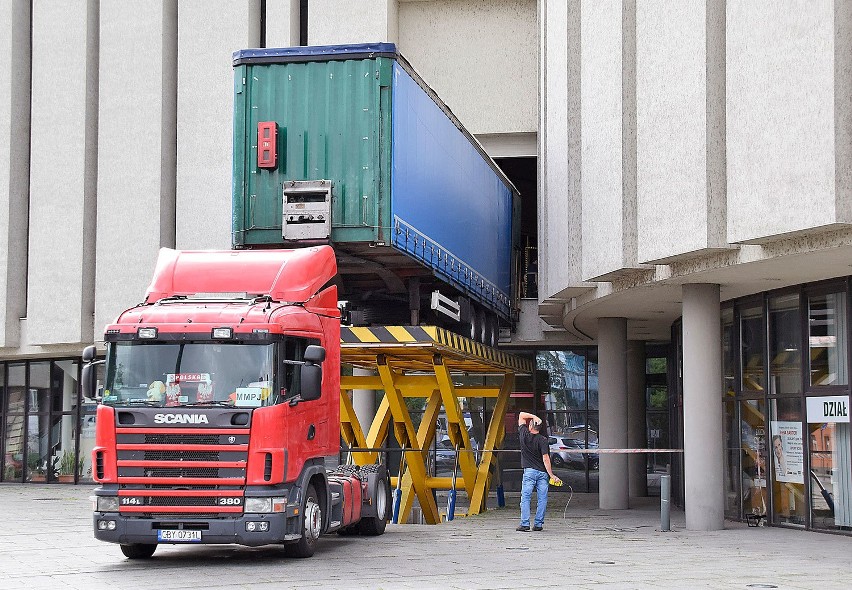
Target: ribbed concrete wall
x=333 y=22
x=480 y=56
x=781 y=118
x=559 y=207
x=63 y=172
x=136 y=151
x=209 y=31
x=608 y=135
x=14 y=165
x=680 y=127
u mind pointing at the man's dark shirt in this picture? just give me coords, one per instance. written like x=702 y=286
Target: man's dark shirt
x=533 y=448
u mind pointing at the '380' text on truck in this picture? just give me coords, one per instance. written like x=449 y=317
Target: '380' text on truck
x=221 y=404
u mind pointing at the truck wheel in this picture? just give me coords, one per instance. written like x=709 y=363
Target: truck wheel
x=375 y=525
x=138 y=550
x=312 y=519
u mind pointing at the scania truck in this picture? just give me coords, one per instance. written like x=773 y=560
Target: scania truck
x=220 y=407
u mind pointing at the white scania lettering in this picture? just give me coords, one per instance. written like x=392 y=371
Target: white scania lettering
x=180 y=419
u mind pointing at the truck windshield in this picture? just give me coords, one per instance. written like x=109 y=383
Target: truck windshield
x=189 y=373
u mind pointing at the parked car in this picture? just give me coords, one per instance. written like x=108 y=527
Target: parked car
x=445 y=455
x=561 y=455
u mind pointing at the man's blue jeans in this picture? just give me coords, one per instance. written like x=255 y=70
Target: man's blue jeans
x=538 y=480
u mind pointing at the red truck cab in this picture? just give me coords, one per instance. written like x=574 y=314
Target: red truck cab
x=220 y=406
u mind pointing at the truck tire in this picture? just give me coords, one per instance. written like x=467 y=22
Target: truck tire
x=138 y=550
x=347 y=471
x=375 y=525
x=311 y=527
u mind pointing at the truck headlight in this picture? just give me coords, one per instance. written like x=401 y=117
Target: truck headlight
x=258 y=505
x=107 y=504
x=265 y=505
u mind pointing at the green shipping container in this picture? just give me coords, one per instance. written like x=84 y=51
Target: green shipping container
x=333 y=120
x=347 y=145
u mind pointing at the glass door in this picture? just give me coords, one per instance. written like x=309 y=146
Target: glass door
x=830 y=466
x=753 y=470
x=788 y=460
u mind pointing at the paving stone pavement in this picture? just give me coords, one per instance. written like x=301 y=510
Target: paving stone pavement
x=47 y=543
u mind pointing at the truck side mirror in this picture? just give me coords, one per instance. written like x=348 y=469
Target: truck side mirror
x=311 y=373
x=88 y=375
x=89 y=354
x=314 y=354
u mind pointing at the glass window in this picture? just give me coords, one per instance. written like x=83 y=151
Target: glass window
x=41 y=436
x=13 y=450
x=729 y=356
x=827 y=339
x=733 y=480
x=753 y=346
x=787 y=452
x=566 y=371
x=830 y=467
x=658 y=438
x=753 y=456
x=785 y=337
x=592 y=367
x=185 y=373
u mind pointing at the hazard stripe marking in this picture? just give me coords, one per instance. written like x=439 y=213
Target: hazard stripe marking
x=364 y=335
x=467 y=352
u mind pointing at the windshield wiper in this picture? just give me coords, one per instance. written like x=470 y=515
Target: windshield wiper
x=143 y=402
x=214 y=402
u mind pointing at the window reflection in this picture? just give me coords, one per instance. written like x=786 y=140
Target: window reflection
x=831 y=475
x=787 y=452
x=566 y=371
x=13 y=456
x=732 y=461
x=568 y=389
x=753 y=345
x=753 y=456
x=827 y=339
x=729 y=356
x=785 y=345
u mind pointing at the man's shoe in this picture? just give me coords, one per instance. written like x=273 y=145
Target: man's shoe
x=538 y=528
x=523 y=529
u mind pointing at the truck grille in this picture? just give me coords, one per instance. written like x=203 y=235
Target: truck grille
x=198 y=474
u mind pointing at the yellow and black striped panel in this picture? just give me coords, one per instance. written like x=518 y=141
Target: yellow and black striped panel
x=412 y=348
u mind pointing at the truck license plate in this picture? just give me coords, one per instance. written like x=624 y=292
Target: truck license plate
x=179 y=536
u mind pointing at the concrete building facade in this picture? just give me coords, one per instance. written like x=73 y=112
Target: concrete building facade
x=686 y=171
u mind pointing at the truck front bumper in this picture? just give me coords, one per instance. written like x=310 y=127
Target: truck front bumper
x=280 y=527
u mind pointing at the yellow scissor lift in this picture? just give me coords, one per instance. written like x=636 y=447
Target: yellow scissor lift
x=419 y=361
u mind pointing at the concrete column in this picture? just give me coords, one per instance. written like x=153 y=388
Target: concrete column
x=612 y=385
x=636 y=428
x=208 y=31
x=331 y=22
x=143 y=58
x=63 y=174
x=364 y=401
x=14 y=166
x=703 y=426
x=282 y=23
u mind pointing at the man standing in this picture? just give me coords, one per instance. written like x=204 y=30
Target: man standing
x=535 y=460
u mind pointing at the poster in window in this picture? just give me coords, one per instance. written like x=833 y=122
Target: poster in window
x=787 y=451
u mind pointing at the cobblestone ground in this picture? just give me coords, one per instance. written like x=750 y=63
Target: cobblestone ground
x=47 y=543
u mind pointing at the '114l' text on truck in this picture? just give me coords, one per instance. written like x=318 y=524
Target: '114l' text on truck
x=221 y=404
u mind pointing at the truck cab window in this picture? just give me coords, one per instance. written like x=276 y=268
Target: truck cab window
x=189 y=373
x=292 y=349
